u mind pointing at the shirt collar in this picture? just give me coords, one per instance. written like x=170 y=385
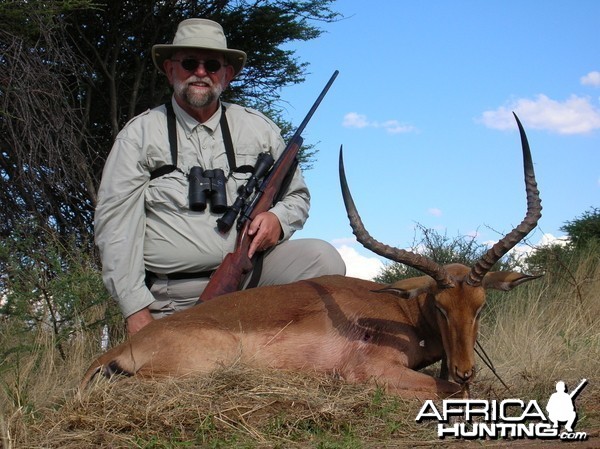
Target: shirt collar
x=189 y=123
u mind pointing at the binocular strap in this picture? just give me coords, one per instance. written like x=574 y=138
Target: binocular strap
x=172 y=130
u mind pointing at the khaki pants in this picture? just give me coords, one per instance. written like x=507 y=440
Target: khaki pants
x=290 y=261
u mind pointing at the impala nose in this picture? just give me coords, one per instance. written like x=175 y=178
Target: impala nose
x=463 y=376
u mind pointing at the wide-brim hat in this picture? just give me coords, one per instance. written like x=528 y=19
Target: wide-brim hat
x=199 y=34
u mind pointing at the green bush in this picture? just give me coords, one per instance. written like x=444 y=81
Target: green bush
x=53 y=285
x=444 y=250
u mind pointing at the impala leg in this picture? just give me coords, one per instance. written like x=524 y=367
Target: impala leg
x=410 y=384
x=399 y=379
x=413 y=384
x=444 y=373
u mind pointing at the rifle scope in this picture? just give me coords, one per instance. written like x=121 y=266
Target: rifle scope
x=263 y=163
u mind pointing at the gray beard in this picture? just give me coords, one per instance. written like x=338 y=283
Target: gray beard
x=197 y=100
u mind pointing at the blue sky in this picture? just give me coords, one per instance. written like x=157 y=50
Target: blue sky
x=423 y=106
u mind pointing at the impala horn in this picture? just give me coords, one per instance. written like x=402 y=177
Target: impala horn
x=417 y=261
x=534 y=212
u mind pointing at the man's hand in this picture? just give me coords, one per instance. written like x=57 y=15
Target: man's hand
x=138 y=320
x=265 y=230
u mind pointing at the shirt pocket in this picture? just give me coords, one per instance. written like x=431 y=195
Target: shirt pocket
x=168 y=192
x=245 y=159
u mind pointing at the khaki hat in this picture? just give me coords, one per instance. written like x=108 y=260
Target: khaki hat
x=198 y=34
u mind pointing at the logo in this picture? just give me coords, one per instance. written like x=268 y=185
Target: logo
x=510 y=418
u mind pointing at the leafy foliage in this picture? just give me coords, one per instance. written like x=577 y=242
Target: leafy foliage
x=72 y=73
x=45 y=159
x=584 y=229
x=52 y=286
x=583 y=232
x=442 y=249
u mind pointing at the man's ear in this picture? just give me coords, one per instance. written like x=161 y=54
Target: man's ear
x=168 y=68
x=229 y=75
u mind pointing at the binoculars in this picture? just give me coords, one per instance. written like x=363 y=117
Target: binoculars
x=207 y=186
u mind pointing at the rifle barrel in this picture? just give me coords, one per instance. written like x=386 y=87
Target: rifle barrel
x=295 y=140
x=578 y=389
x=316 y=104
x=227 y=277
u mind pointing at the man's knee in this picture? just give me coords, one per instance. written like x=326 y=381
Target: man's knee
x=296 y=260
x=326 y=258
x=314 y=257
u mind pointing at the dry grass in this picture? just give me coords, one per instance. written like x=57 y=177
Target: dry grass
x=548 y=331
x=234 y=407
x=541 y=333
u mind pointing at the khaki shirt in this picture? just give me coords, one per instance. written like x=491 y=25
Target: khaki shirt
x=147 y=224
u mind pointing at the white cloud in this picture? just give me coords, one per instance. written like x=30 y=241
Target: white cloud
x=394 y=127
x=355 y=120
x=359 y=266
x=591 y=79
x=549 y=239
x=434 y=211
x=576 y=115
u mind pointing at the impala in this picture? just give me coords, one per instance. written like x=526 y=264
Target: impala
x=352 y=328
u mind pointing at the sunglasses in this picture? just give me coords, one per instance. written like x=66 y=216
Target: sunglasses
x=191 y=64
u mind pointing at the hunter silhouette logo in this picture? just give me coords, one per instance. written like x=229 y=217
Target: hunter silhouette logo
x=561 y=405
x=510 y=418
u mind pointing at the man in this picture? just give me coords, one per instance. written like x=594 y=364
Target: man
x=560 y=407
x=157 y=251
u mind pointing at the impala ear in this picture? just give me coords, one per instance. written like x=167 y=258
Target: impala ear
x=506 y=280
x=410 y=288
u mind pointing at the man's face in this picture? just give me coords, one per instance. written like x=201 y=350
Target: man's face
x=198 y=86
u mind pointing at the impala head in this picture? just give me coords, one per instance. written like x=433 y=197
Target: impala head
x=454 y=295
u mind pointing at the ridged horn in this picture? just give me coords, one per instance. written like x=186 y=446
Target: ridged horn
x=534 y=212
x=417 y=261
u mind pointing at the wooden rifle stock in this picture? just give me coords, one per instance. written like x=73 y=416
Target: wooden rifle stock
x=229 y=275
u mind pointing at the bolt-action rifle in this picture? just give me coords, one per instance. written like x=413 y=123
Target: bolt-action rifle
x=229 y=275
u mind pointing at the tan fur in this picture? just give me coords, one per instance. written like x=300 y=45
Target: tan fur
x=333 y=324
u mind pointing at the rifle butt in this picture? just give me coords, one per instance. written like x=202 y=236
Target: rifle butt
x=226 y=279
